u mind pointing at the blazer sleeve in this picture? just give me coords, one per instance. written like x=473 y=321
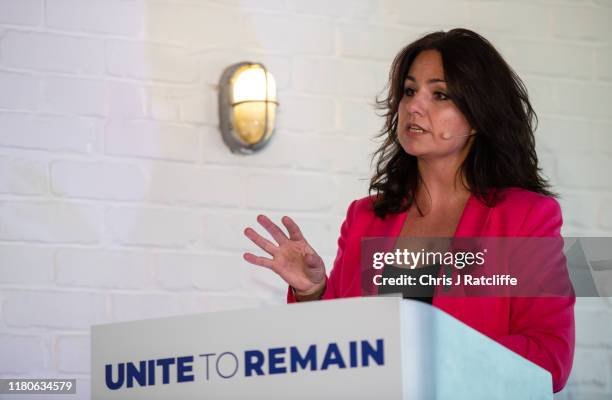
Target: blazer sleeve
x=542 y=328
x=333 y=281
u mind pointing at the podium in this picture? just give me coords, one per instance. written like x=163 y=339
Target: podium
x=358 y=348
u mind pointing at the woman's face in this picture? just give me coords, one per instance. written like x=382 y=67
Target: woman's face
x=429 y=123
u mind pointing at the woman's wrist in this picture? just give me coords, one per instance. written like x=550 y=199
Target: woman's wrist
x=315 y=294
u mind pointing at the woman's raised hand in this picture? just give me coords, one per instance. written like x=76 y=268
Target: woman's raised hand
x=292 y=257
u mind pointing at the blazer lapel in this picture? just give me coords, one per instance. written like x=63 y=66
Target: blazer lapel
x=474 y=220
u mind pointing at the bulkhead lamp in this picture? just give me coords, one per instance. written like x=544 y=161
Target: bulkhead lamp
x=247 y=107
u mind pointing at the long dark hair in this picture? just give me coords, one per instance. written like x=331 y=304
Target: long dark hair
x=495 y=103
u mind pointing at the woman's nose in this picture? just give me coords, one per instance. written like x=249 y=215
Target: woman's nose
x=416 y=104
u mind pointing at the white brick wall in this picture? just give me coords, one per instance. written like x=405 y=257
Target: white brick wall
x=48 y=132
x=22 y=354
x=119 y=201
x=23 y=89
x=59 y=53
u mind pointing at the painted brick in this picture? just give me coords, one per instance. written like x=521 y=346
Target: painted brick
x=63 y=14
x=23 y=12
x=26 y=265
x=115 y=16
x=213 y=63
x=579 y=209
x=360 y=118
x=551 y=59
x=51 y=222
x=289 y=192
x=263 y=283
x=316 y=74
x=521 y=19
x=255 y=4
x=567 y=136
x=335 y=153
x=141 y=138
x=603 y=63
x=541 y=94
x=306 y=114
x=454 y=14
x=164 y=107
x=202 y=26
x=341 y=77
x=218 y=303
x=24 y=91
x=22 y=354
x=581 y=22
x=321 y=233
x=73 y=353
x=182 y=184
x=113 y=269
x=46 y=132
x=150 y=62
x=351 y=80
x=378 y=42
x=339 y=8
x=53 y=309
x=23 y=176
x=321 y=154
x=126 y=100
x=350 y=188
x=84 y=391
x=279 y=153
x=224 y=230
x=290 y=34
x=189 y=105
x=592 y=174
x=75 y=96
x=99 y=180
x=197 y=107
x=209 y=272
x=549 y=165
x=53 y=52
x=129 y=307
x=148 y=226
x=605 y=213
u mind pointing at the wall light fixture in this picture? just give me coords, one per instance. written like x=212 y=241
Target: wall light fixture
x=247 y=107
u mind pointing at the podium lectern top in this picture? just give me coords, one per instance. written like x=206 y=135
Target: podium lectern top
x=375 y=347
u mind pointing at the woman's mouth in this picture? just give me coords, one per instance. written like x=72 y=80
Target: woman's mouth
x=416 y=129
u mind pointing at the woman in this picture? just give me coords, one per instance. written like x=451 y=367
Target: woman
x=458 y=160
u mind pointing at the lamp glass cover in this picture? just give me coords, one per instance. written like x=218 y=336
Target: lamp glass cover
x=254 y=97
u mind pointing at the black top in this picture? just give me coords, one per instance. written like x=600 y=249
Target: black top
x=418 y=291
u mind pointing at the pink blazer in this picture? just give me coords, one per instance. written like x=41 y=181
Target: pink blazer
x=539 y=329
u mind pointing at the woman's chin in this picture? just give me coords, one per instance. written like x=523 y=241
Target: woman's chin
x=411 y=149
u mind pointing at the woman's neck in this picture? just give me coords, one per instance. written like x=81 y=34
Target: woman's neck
x=442 y=184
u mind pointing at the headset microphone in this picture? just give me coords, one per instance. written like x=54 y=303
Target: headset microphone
x=446 y=136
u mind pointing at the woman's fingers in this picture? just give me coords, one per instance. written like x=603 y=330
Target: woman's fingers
x=272 y=229
x=257 y=260
x=294 y=230
x=260 y=241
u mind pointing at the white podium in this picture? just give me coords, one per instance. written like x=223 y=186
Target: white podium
x=375 y=347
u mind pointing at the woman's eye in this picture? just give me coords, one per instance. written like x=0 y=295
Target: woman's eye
x=441 y=96
x=408 y=92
